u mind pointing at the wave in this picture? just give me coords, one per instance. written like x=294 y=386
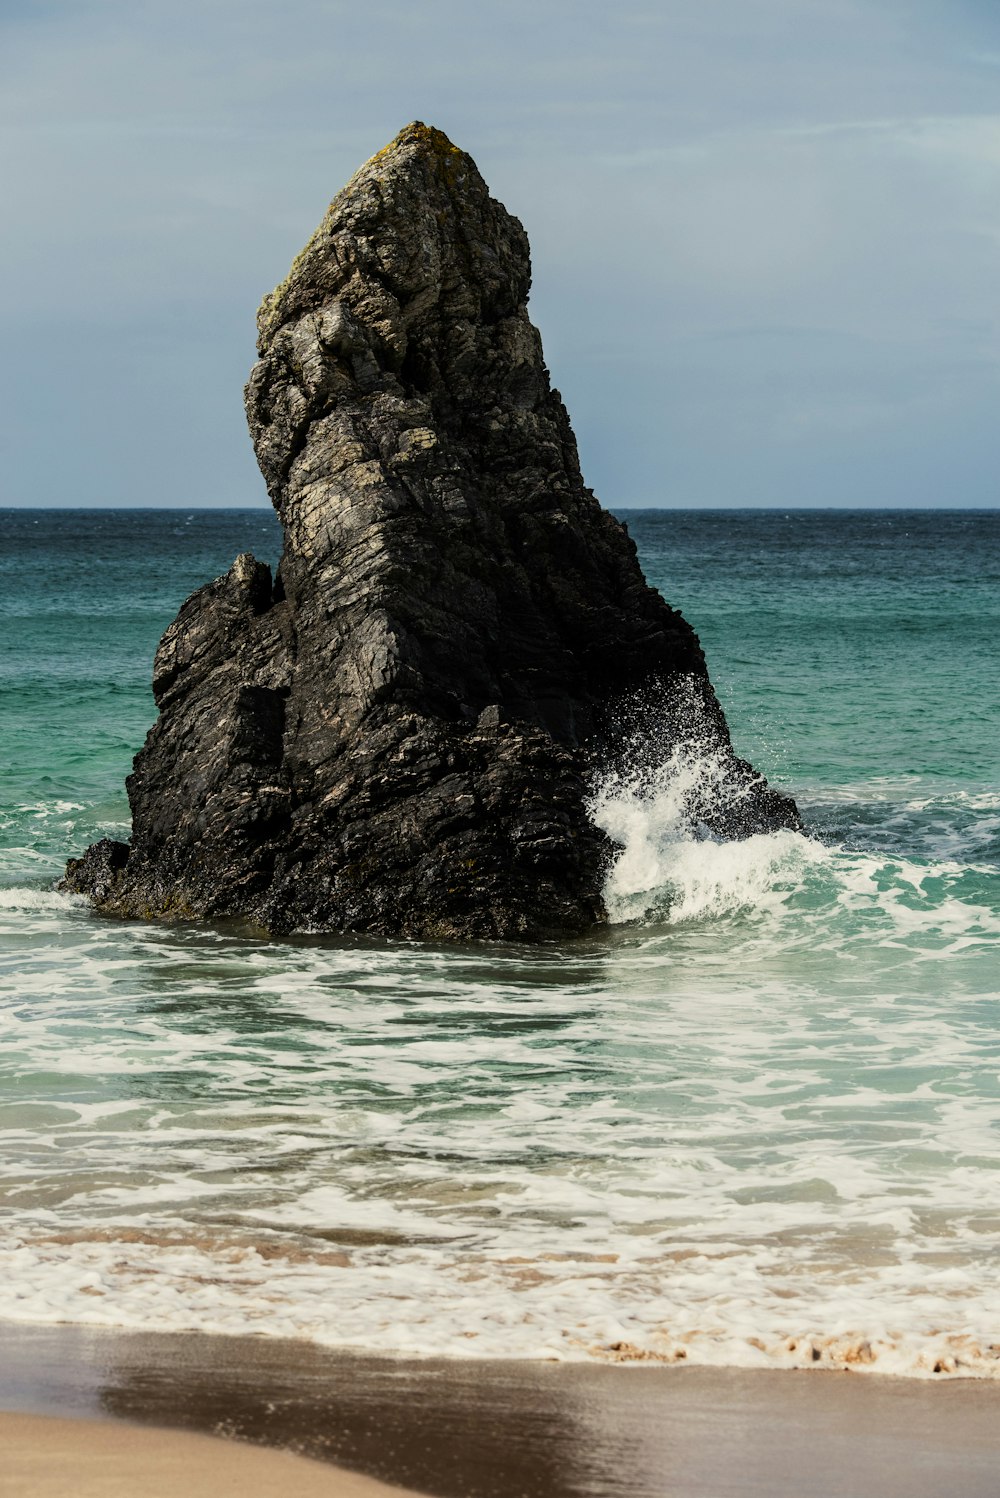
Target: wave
x=27 y=899
x=669 y=867
x=916 y=862
x=372 y=1292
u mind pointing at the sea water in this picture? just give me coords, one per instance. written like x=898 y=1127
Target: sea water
x=755 y=1122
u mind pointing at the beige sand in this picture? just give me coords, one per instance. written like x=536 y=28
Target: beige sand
x=42 y=1457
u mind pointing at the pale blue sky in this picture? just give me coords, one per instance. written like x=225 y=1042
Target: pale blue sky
x=765 y=233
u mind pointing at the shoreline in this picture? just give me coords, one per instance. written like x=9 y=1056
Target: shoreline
x=494 y=1429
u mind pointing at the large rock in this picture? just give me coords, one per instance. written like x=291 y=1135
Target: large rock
x=397 y=735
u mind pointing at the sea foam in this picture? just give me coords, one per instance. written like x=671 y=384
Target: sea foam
x=667 y=865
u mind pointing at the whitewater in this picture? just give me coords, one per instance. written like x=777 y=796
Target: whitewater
x=754 y=1122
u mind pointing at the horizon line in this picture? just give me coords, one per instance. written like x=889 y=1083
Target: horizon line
x=632 y=508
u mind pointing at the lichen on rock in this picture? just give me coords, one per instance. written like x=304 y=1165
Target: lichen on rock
x=396 y=734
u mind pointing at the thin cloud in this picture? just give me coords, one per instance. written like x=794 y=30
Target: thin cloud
x=692 y=179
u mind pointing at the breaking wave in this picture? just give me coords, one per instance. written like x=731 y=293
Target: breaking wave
x=668 y=864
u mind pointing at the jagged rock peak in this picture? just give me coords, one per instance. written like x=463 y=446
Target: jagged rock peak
x=398 y=733
x=420 y=155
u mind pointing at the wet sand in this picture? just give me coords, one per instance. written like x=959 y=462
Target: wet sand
x=468 y=1429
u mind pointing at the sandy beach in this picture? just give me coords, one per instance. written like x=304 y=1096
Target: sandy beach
x=45 y=1457
x=468 y=1429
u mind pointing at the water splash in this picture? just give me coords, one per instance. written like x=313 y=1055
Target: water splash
x=670 y=865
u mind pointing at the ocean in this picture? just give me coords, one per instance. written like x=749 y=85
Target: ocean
x=755 y=1122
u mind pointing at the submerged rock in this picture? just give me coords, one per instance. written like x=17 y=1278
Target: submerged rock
x=398 y=733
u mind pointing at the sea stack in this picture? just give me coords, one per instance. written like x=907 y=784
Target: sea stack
x=398 y=734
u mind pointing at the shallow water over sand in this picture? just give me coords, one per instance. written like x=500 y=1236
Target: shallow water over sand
x=756 y=1122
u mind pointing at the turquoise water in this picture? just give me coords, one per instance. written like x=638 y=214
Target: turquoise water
x=757 y=1122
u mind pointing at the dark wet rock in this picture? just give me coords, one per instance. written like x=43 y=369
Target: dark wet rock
x=397 y=734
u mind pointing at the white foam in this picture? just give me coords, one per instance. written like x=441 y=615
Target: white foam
x=26 y=898
x=669 y=868
x=705 y=1307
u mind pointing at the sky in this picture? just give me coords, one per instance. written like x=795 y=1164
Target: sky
x=765 y=233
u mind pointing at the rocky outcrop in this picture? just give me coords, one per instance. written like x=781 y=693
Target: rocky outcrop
x=397 y=733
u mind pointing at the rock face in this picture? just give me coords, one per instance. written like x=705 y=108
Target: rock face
x=396 y=734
